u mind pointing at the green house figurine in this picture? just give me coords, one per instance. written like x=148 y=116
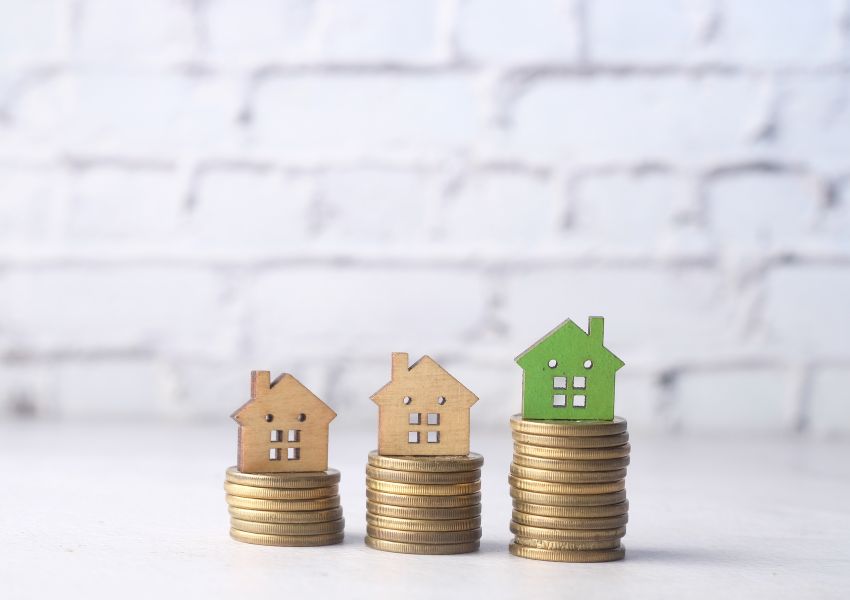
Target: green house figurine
x=569 y=374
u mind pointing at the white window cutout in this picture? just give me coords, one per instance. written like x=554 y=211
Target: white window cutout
x=579 y=383
x=588 y=363
x=579 y=401
x=293 y=435
x=553 y=363
x=559 y=383
x=441 y=400
x=276 y=435
x=407 y=399
x=433 y=437
x=433 y=418
x=559 y=400
x=293 y=453
x=274 y=453
x=412 y=437
x=414 y=419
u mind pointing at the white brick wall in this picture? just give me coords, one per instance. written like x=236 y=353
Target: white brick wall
x=192 y=189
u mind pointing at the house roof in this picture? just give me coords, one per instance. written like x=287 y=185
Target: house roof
x=424 y=373
x=568 y=332
x=286 y=389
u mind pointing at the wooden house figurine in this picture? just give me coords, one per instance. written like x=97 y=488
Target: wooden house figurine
x=423 y=410
x=283 y=427
x=569 y=374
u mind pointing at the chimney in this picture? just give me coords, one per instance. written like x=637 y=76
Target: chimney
x=400 y=364
x=596 y=329
x=260 y=383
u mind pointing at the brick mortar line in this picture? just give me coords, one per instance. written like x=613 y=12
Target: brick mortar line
x=714 y=260
x=581 y=69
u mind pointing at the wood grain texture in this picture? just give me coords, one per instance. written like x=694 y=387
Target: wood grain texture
x=283 y=428
x=423 y=410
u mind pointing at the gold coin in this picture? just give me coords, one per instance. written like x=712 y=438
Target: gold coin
x=573 y=546
x=283 y=505
x=567 y=476
x=567 y=535
x=573 y=453
x=416 y=489
x=435 y=514
x=267 y=539
x=423 y=524
x=429 y=464
x=568 y=428
x=568 y=499
x=422 y=477
x=572 y=512
x=424 y=501
x=580 y=556
x=249 y=491
x=550 y=464
x=585 y=441
x=388 y=546
x=547 y=487
x=284 y=480
x=289 y=528
x=522 y=518
x=423 y=537
x=270 y=516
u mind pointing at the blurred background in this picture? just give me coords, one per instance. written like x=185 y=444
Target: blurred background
x=191 y=189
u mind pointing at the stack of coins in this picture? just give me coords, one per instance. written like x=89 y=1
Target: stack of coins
x=284 y=509
x=423 y=504
x=568 y=488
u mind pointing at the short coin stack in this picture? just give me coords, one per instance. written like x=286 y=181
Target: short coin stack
x=423 y=504
x=284 y=509
x=568 y=488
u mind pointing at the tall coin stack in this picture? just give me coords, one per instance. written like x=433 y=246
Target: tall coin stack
x=424 y=504
x=284 y=509
x=567 y=482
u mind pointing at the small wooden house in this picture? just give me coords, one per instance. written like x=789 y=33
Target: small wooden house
x=569 y=374
x=423 y=410
x=283 y=427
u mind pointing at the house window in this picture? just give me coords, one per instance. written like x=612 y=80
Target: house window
x=559 y=400
x=412 y=437
x=269 y=418
x=433 y=437
x=588 y=363
x=301 y=418
x=414 y=419
x=274 y=453
x=293 y=453
x=407 y=400
x=293 y=435
x=441 y=400
x=276 y=435
x=433 y=418
x=553 y=363
x=579 y=383
x=559 y=383
x=579 y=401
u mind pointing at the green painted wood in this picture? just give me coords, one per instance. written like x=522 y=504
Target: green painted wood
x=552 y=369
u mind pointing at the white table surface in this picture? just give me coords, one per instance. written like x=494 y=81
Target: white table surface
x=109 y=511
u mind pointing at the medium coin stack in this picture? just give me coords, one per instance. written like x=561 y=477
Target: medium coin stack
x=284 y=509
x=568 y=488
x=423 y=504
